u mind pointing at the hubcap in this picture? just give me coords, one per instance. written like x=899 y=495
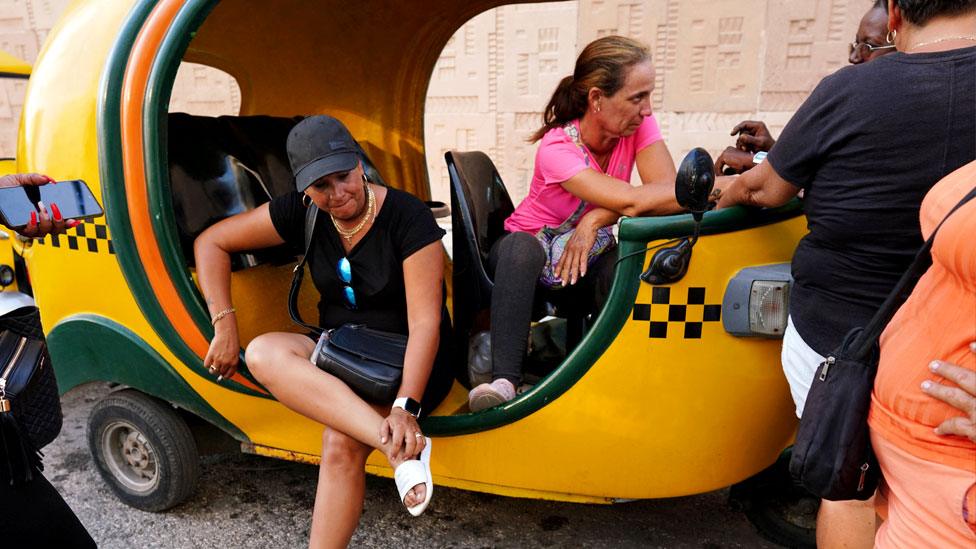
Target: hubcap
x=130 y=457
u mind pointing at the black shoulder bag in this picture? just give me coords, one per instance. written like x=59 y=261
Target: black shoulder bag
x=369 y=361
x=30 y=408
x=832 y=456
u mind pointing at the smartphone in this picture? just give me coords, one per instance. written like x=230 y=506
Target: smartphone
x=15 y=207
x=74 y=199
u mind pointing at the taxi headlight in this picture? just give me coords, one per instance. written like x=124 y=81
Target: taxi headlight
x=757 y=301
x=6 y=275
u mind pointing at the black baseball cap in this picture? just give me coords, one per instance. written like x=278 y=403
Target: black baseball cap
x=318 y=146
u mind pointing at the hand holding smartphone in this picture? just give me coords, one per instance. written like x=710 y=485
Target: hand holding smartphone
x=73 y=200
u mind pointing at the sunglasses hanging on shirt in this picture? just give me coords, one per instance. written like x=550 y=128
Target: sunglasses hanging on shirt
x=344 y=272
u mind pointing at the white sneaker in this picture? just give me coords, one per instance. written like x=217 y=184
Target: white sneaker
x=489 y=395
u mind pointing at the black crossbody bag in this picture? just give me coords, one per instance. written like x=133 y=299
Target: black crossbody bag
x=832 y=456
x=30 y=407
x=369 y=361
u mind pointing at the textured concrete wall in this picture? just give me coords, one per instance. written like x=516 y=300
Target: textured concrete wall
x=718 y=62
x=23 y=26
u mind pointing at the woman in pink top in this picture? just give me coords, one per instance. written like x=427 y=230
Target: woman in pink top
x=606 y=104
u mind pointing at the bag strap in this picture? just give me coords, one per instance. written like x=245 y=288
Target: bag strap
x=311 y=216
x=571 y=221
x=868 y=338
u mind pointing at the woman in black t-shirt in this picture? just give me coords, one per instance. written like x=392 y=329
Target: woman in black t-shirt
x=388 y=242
x=865 y=147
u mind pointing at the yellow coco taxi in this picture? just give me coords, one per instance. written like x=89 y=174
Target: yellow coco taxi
x=667 y=393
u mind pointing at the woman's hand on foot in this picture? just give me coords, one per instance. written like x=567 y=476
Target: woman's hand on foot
x=402 y=433
x=402 y=440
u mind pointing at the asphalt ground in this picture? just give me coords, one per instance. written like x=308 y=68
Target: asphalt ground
x=251 y=501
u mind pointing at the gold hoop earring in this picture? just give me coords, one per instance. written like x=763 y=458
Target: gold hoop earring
x=306 y=200
x=892 y=34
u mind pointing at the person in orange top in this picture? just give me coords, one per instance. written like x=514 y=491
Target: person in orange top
x=923 y=411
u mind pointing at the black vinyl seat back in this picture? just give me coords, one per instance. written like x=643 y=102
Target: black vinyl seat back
x=221 y=166
x=480 y=205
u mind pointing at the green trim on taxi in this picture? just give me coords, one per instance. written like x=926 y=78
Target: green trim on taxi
x=94 y=348
x=113 y=193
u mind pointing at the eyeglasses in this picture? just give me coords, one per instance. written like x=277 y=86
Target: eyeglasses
x=865 y=49
x=344 y=272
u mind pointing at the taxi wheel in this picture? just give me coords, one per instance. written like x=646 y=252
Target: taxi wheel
x=782 y=511
x=144 y=450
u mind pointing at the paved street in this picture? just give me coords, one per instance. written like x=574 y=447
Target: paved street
x=249 y=501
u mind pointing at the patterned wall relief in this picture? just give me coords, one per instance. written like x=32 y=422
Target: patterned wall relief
x=807 y=41
x=491 y=84
x=717 y=62
x=23 y=26
x=204 y=91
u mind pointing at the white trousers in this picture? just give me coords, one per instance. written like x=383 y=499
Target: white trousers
x=800 y=364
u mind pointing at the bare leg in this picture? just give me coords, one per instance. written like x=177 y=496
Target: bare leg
x=280 y=362
x=340 y=492
x=846 y=524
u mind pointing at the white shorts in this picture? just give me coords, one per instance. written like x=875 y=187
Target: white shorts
x=800 y=364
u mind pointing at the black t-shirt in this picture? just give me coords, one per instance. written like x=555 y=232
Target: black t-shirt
x=402 y=226
x=866 y=146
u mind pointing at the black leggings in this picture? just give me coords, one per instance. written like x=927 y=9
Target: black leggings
x=515 y=263
x=35 y=515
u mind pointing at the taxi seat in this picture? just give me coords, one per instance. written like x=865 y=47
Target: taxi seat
x=221 y=166
x=481 y=205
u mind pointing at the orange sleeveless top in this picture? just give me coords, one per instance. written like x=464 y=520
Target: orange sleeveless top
x=937 y=322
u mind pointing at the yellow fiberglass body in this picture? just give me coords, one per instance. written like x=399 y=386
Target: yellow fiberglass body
x=650 y=404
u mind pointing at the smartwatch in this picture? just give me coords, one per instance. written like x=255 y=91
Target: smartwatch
x=408 y=405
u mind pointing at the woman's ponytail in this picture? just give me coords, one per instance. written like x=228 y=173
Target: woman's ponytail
x=602 y=64
x=567 y=103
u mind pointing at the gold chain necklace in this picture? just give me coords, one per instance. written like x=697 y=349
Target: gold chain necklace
x=971 y=38
x=370 y=210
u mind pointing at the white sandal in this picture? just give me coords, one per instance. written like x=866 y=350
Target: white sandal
x=412 y=472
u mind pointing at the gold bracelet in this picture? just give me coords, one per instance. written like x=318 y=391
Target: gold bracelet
x=221 y=314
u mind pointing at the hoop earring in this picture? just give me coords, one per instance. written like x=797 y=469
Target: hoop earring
x=892 y=34
x=306 y=200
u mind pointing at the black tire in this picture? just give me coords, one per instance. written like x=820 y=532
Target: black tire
x=144 y=450
x=782 y=511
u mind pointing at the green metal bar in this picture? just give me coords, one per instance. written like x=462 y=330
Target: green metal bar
x=634 y=234
x=623 y=293
x=648 y=229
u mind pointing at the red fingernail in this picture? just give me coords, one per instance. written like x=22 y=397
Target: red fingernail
x=33 y=218
x=74 y=223
x=50 y=180
x=57 y=212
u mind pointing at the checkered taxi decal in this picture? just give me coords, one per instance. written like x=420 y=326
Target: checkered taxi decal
x=90 y=236
x=688 y=317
